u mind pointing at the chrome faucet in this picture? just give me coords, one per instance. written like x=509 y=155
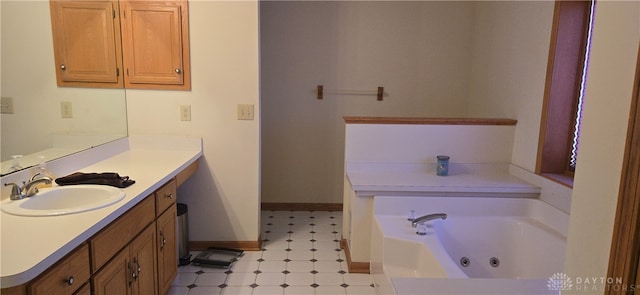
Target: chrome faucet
x=29 y=188
x=425 y=218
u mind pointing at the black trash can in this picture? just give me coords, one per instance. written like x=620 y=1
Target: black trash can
x=184 y=258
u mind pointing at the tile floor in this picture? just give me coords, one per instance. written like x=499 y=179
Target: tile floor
x=301 y=255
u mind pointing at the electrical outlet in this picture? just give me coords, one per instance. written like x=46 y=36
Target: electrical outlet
x=245 y=112
x=185 y=113
x=66 y=109
x=6 y=105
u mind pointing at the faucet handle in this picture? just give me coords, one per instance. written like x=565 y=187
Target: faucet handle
x=412 y=215
x=39 y=175
x=16 y=191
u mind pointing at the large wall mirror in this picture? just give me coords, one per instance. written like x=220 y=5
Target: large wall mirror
x=39 y=127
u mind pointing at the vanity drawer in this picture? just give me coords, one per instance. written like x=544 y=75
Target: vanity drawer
x=66 y=277
x=119 y=233
x=166 y=196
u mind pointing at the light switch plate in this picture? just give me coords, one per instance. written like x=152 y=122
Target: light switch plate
x=245 y=112
x=66 y=109
x=185 y=113
x=6 y=105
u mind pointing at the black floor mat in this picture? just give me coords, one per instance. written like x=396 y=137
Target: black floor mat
x=217 y=257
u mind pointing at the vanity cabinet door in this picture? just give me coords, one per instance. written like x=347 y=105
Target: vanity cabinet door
x=86 y=43
x=143 y=260
x=155 y=43
x=167 y=249
x=132 y=271
x=66 y=277
x=116 y=277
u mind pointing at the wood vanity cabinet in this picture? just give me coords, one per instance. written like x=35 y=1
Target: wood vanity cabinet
x=118 y=234
x=166 y=232
x=142 y=44
x=132 y=271
x=167 y=249
x=149 y=263
x=66 y=277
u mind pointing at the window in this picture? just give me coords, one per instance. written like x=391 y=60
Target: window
x=564 y=90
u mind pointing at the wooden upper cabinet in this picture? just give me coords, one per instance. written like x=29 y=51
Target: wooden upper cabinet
x=155 y=40
x=141 y=44
x=86 y=37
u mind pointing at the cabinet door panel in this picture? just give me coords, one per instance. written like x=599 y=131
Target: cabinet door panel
x=167 y=249
x=152 y=38
x=116 y=277
x=143 y=258
x=86 y=43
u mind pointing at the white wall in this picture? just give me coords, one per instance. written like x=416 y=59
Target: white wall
x=223 y=196
x=616 y=37
x=419 y=51
x=415 y=143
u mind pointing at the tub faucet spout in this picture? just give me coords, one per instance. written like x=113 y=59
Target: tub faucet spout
x=425 y=218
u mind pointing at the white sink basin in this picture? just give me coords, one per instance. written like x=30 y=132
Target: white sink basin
x=62 y=200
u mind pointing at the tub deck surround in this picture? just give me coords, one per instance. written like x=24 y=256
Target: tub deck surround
x=398 y=178
x=30 y=245
x=364 y=181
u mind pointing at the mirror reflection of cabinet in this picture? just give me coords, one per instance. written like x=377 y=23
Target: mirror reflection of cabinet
x=132 y=44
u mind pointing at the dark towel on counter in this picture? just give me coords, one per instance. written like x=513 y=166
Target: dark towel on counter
x=106 y=178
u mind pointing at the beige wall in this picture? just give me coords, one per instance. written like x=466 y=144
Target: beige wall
x=419 y=51
x=510 y=50
x=435 y=59
x=223 y=196
x=514 y=88
x=616 y=38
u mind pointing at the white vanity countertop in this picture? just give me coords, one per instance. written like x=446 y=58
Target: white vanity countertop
x=378 y=178
x=29 y=245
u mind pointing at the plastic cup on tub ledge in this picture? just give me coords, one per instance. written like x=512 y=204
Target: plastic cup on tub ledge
x=443 y=165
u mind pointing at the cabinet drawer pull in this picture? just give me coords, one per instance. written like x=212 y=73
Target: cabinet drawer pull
x=133 y=273
x=170 y=196
x=63 y=67
x=178 y=71
x=135 y=260
x=70 y=281
x=164 y=241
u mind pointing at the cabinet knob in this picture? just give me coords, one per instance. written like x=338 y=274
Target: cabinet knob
x=178 y=71
x=63 y=67
x=70 y=280
x=170 y=196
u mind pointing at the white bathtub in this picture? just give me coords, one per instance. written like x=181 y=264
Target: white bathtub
x=509 y=246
